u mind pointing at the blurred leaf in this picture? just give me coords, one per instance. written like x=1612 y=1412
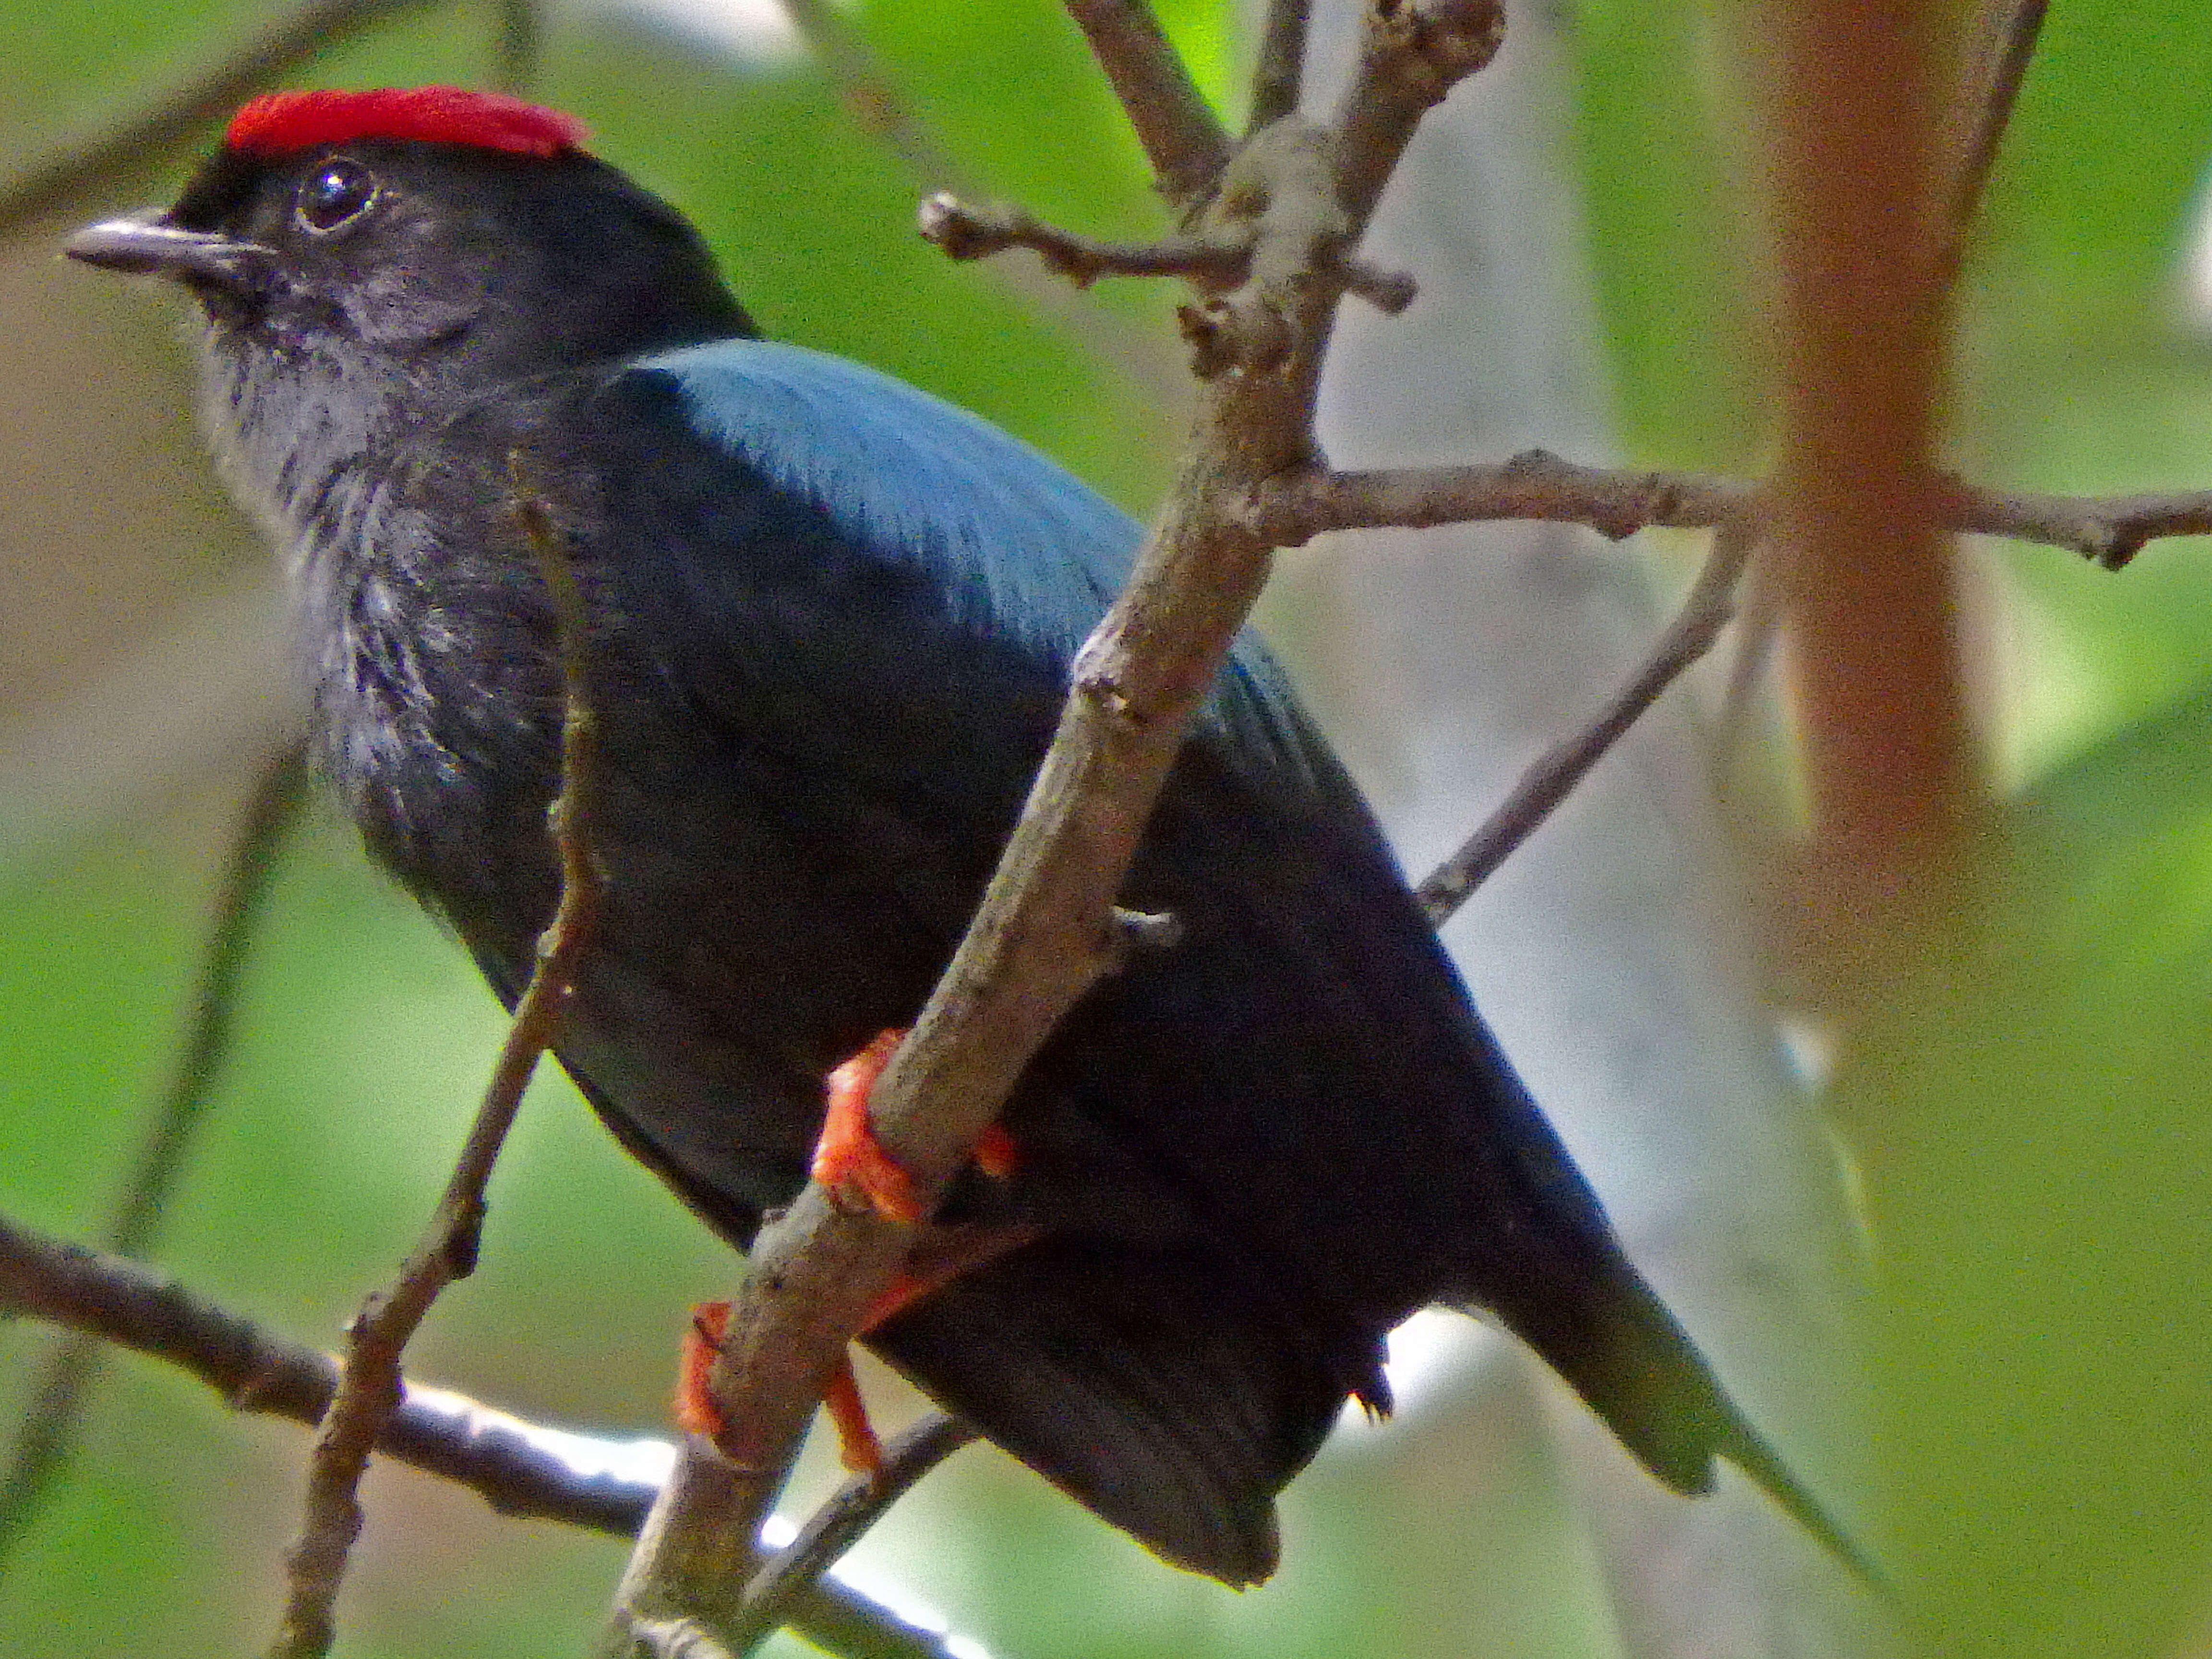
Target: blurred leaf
x=1669 y=237
x=2039 y=1167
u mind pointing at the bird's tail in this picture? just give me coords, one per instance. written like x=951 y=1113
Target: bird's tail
x=1607 y=1332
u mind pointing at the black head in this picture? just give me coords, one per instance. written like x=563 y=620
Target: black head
x=463 y=235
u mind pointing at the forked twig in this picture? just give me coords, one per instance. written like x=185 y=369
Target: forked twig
x=1616 y=502
x=1211 y=263
x=519 y=1468
x=1044 y=932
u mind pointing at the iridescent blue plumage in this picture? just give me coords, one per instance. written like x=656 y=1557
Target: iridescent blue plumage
x=1018 y=546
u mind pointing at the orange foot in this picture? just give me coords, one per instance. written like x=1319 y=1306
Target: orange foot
x=697 y=1413
x=945 y=1254
x=851 y=1163
x=696 y=1410
x=848 y=1159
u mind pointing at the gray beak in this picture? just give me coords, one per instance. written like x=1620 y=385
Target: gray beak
x=148 y=242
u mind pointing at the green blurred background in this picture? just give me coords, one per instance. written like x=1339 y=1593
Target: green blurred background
x=2032 y=1121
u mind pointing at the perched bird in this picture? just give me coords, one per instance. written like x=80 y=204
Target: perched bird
x=831 y=622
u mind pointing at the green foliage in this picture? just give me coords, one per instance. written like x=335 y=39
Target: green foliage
x=2039 y=1160
x=1670 y=236
x=2036 y=1115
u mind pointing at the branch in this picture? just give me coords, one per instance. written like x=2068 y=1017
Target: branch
x=1534 y=484
x=1046 y=928
x=82 y=164
x=2110 y=530
x=2107 y=530
x=1710 y=604
x=1862 y=568
x=369 y=1389
x=1278 y=72
x=840 y=1523
x=1209 y=263
x=2001 y=40
x=504 y=1460
x=961 y=232
x=519 y=1468
x=46 y=1440
x=1181 y=138
x=1411 y=55
x=871 y=92
x=1538 y=485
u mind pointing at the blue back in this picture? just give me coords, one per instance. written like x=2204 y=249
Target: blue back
x=1018 y=548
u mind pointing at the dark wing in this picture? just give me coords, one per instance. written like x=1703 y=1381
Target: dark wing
x=893 y=592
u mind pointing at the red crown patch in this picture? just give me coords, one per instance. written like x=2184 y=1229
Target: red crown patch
x=282 y=123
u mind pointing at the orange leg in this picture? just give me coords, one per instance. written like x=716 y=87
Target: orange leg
x=858 y=1449
x=944 y=1257
x=848 y=1160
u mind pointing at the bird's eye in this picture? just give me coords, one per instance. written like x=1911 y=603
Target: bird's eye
x=336 y=196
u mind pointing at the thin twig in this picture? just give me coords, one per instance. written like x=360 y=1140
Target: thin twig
x=1997 y=53
x=518 y=46
x=84 y=165
x=2110 y=530
x=872 y=96
x=1278 y=72
x=840 y=1523
x=278 y=794
x=1411 y=55
x=119 y=1301
x=48 y=1434
x=519 y=1468
x=1704 y=612
x=369 y=1389
x=962 y=231
x=1761 y=631
x=2107 y=530
x=1182 y=137
x=1534 y=484
x=1209 y=263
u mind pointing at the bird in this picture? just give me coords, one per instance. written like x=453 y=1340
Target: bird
x=830 y=625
